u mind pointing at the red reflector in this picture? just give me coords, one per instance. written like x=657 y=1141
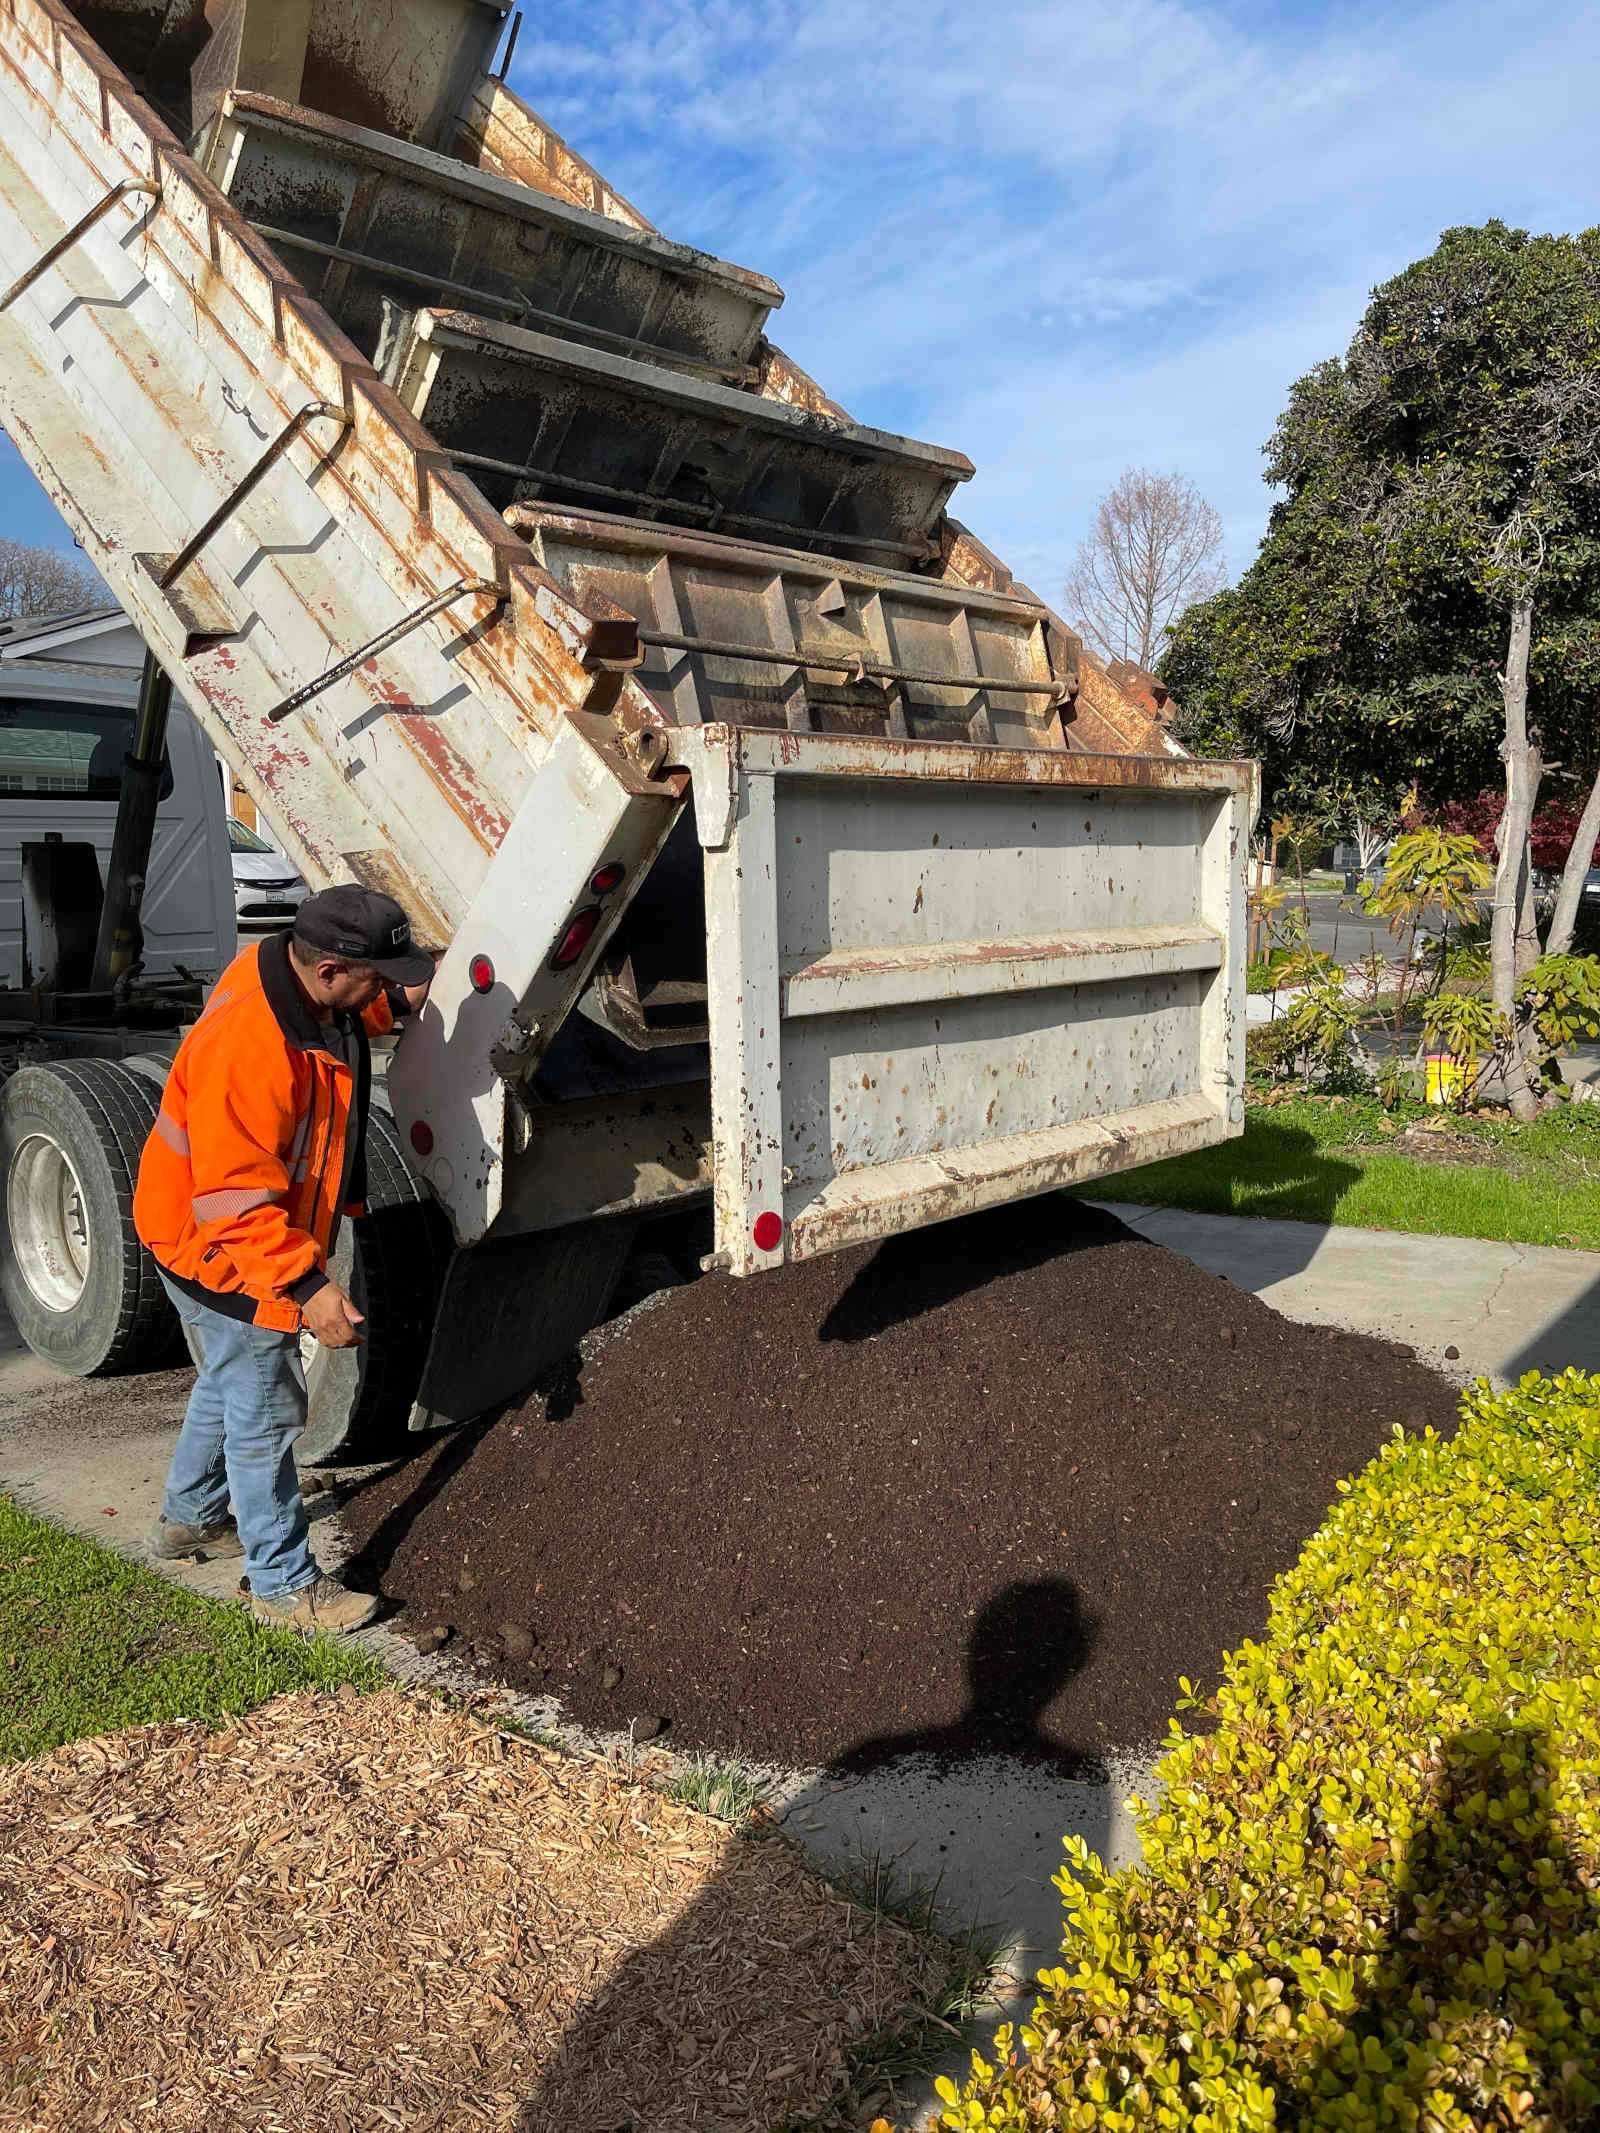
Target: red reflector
x=481 y=972
x=608 y=878
x=767 y=1231
x=579 y=933
x=422 y=1137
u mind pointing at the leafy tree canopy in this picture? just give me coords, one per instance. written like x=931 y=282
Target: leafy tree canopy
x=1361 y=652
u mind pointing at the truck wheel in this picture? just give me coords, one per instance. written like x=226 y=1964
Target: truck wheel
x=392 y=1263
x=81 y=1288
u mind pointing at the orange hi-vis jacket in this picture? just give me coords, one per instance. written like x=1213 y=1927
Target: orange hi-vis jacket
x=259 y=1145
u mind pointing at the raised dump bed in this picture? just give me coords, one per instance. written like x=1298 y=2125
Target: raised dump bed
x=533 y=415
x=409 y=68
x=743 y=633
x=363 y=216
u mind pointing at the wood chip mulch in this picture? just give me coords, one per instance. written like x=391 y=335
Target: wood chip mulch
x=363 y=1912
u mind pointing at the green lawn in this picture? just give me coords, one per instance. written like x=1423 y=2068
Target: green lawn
x=1317 y=1161
x=90 y=1643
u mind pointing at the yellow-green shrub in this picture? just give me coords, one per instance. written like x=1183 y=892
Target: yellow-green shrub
x=1370 y=1898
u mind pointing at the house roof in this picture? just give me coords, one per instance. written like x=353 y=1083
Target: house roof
x=24 y=635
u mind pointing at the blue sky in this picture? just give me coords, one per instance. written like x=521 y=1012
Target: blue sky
x=1066 y=238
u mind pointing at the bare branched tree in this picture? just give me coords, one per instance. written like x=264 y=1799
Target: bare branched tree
x=45 y=581
x=1155 y=549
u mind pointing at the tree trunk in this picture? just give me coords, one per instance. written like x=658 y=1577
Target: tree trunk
x=1528 y=906
x=1564 y=918
x=1511 y=867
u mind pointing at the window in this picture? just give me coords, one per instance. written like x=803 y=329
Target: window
x=241 y=839
x=53 y=751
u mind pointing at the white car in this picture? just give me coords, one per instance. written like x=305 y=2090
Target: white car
x=266 y=889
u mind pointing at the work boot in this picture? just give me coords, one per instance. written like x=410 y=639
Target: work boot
x=324 y=1604
x=171 y=1542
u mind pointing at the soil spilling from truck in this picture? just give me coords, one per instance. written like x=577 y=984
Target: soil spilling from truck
x=992 y=1487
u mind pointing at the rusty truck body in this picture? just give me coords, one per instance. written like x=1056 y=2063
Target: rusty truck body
x=779 y=849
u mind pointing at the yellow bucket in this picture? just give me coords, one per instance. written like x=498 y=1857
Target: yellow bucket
x=1446 y=1078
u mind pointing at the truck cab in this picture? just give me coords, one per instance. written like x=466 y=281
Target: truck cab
x=68 y=688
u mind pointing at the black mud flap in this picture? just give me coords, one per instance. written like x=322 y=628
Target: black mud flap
x=512 y=1308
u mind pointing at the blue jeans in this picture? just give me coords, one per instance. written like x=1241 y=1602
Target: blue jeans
x=237 y=1442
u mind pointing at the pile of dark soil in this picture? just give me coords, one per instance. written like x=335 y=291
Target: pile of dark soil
x=991 y=1487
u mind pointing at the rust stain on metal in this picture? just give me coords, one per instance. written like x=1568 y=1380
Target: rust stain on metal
x=386 y=691
x=487 y=822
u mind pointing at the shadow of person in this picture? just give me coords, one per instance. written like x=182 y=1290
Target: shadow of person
x=764 y=1956
x=1492 y=1913
x=1027 y=1643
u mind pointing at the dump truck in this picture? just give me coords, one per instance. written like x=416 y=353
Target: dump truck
x=779 y=850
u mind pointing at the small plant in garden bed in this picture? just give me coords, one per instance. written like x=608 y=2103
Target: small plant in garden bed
x=1560 y=999
x=1467 y=1030
x=1370 y=1897
x=1265 y=972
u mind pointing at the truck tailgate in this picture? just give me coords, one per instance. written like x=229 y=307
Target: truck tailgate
x=943 y=976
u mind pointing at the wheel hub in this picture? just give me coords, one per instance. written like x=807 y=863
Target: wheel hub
x=48 y=1221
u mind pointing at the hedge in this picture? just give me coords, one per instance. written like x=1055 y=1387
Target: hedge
x=1370 y=1896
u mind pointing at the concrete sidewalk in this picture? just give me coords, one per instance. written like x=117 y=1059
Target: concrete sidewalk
x=1507 y=1308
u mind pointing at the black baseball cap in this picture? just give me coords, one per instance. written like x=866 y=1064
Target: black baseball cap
x=366 y=926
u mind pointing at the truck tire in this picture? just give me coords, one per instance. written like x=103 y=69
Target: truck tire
x=391 y=1262
x=81 y=1288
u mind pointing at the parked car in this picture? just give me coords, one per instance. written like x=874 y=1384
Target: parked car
x=266 y=889
x=1591 y=886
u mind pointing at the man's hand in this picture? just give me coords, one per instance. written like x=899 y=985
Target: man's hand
x=332 y=1317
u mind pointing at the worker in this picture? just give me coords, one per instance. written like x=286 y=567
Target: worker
x=256 y=1155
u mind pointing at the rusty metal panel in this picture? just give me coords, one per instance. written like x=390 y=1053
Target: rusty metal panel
x=141 y=378
x=533 y=415
x=498 y=131
x=502 y=133
x=363 y=216
x=832 y=646
x=402 y=66
x=407 y=67
x=503 y=988
x=940 y=977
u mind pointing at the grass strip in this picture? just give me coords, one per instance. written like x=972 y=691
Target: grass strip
x=1313 y=1160
x=91 y=1643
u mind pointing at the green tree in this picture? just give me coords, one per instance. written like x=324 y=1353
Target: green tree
x=1426 y=604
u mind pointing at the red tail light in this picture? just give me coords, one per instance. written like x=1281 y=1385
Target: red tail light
x=422 y=1137
x=579 y=933
x=767 y=1231
x=481 y=971
x=608 y=878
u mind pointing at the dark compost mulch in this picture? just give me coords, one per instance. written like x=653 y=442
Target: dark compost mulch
x=990 y=1487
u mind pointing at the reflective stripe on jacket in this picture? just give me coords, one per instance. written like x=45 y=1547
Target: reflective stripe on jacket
x=258 y=1146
